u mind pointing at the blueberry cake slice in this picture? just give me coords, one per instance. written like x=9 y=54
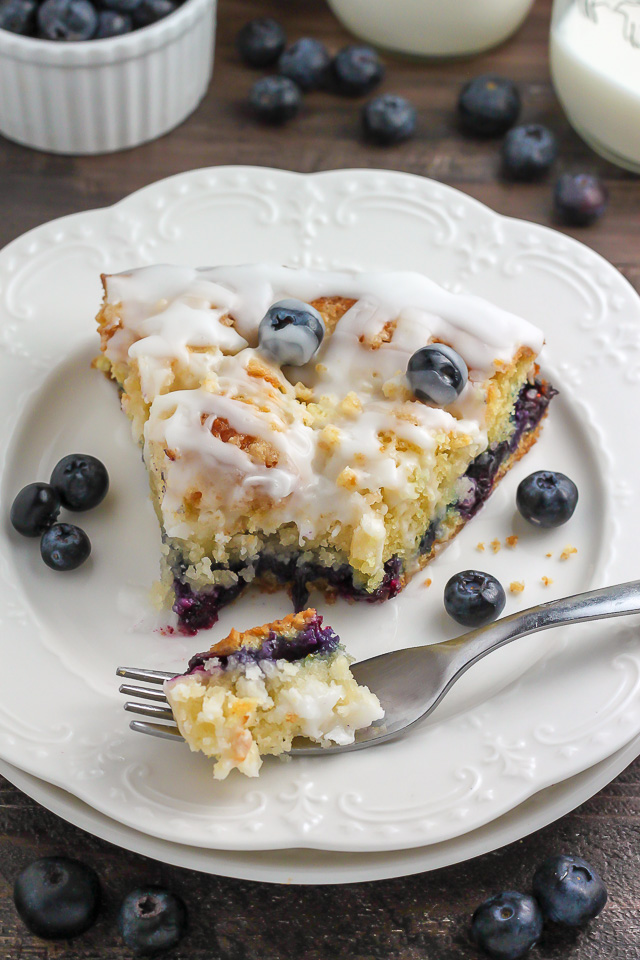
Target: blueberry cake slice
x=252 y=693
x=313 y=428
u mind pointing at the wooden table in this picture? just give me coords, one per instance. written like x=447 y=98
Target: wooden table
x=418 y=918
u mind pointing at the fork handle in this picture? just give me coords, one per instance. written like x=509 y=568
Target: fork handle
x=616 y=601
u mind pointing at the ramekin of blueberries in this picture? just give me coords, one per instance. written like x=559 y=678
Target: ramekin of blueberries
x=76 y=56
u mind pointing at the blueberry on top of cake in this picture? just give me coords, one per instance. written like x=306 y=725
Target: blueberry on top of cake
x=253 y=692
x=314 y=428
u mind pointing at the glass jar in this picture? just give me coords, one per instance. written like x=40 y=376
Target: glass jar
x=432 y=28
x=595 y=66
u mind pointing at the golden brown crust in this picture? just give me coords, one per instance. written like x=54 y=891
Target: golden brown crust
x=293 y=623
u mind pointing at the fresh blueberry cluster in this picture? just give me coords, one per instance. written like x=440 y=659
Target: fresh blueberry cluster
x=489 y=106
x=58 y=898
x=567 y=891
x=306 y=65
x=79 y=482
x=75 y=20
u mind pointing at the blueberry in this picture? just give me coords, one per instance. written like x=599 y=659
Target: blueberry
x=64 y=546
x=389 y=119
x=356 y=70
x=57 y=898
x=151 y=921
x=546 y=498
x=69 y=20
x=580 y=199
x=473 y=598
x=18 y=16
x=120 y=6
x=275 y=100
x=291 y=331
x=507 y=925
x=488 y=105
x=437 y=374
x=113 y=24
x=261 y=41
x=306 y=62
x=81 y=480
x=151 y=11
x=529 y=151
x=34 y=509
x=569 y=890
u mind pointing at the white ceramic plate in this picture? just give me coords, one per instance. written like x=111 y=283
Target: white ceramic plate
x=530 y=715
x=325 y=866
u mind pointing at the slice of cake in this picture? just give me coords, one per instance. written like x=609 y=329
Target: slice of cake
x=253 y=692
x=329 y=440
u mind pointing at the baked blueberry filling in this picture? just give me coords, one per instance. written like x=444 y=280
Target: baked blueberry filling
x=199 y=610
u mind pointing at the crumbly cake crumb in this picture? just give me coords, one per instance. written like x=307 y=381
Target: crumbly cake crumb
x=568 y=552
x=496 y=546
x=547 y=581
x=511 y=541
x=480 y=547
x=517 y=586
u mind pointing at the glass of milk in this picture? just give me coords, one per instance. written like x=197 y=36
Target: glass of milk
x=432 y=28
x=595 y=65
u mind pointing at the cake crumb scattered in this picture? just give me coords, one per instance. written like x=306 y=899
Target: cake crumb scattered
x=568 y=551
x=548 y=554
x=495 y=545
x=511 y=541
x=517 y=586
x=547 y=581
x=428 y=582
x=480 y=547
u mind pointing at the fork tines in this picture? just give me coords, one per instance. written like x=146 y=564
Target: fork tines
x=158 y=710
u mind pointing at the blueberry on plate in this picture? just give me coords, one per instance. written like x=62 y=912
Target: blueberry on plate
x=64 y=546
x=389 y=119
x=356 y=70
x=306 y=62
x=529 y=151
x=151 y=921
x=547 y=498
x=69 y=20
x=57 y=898
x=569 y=890
x=113 y=24
x=34 y=509
x=18 y=16
x=291 y=331
x=261 y=41
x=579 y=199
x=152 y=11
x=275 y=100
x=437 y=374
x=81 y=480
x=507 y=925
x=488 y=105
x=474 y=598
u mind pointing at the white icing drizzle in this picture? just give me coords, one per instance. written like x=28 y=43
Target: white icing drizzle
x=179 y=316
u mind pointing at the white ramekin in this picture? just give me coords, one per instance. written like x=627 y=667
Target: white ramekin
x=105 y=95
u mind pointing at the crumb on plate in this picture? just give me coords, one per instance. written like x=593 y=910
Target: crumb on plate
x=511 y=541
x=495 y=545
x=547 y=581
x=428 y=582
x=480 y=547
x=516 y=586
x=568 y=551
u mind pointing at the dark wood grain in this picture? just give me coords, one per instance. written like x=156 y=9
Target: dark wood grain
x=418 y=918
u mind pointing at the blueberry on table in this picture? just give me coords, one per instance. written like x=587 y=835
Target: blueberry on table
x=529 y=151
x=68 y=20
x=306 y=62
x=437 y=374
x=579 y=199
x=474 y=598
x=152 y=921
x=569 y=890
x=113 y=24
x=261 y=41
x=64 y=546
x=488 y=105
x=507 y=925
x=18 y=16
x=291 y=331
x=356 y=70
x=275 y=100
x=57 y=898
x=389 y=119
x=34 y=509
x=151 y=11
x=81 y=480
x=547 y=498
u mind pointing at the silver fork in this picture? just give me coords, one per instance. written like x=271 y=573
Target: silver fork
x=410 y=683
